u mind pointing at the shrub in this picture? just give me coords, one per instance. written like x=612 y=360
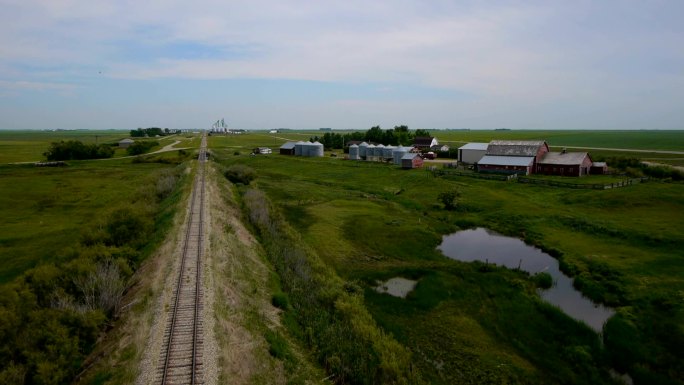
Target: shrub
x=280 y=301
x=141 y=147
x=449 y=199
x=126 y=227
x=240 y=174
x=76 y=150
x=543 y=280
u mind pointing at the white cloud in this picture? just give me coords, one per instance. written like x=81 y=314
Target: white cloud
x=512 y=56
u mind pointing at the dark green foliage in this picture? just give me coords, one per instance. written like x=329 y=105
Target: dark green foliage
x=76 y=150
x=635 y=167
x=280 y=301
x=277 y=345
x=240 y=174
x=125 y=226
x=141 y=147
x=600 y=283
x=449 y=199
x=151 y=132
x=543 y=280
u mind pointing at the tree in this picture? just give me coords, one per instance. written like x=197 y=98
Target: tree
x=375 y=135
x=422 y=132
x=402 y=135
x=449 y=199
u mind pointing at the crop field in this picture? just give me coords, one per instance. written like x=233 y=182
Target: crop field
x=474 y=323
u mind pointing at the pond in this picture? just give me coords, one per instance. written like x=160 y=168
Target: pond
x=487 y=246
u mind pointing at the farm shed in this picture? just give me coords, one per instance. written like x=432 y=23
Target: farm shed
x=564 y=163
x=506 y=164
x=288 y=148
x=411 y=160
x=125 y=143
x=599 y=168
x=425 y=142
x=472 y=152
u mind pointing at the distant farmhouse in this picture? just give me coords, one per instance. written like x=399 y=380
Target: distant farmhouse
x=425 y=142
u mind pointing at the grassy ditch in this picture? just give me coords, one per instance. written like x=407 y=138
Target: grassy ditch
x=102 y=229
x=471 y=323
x=327 y=313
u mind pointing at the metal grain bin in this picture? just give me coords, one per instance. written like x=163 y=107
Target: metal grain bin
x=299 y=148
x=387 y=152
x=354 y=152
x=363 y=147
x=316 y=149
x=378 y=151
x=397 y=153
x=370 y=152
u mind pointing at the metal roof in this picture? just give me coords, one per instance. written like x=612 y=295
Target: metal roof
x=474 y=146
x=495 y=160
x=126 y=140
x=288 y=146
x=599 y=164
x=514 y=147
x=560 y=158
x=409 y=156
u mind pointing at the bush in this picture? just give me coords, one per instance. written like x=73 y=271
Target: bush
x=126 y=227
x=543 y=280
x=280 y=301
x=449 y=199
x=76 y=150
x=240 y=174
x=141 y=147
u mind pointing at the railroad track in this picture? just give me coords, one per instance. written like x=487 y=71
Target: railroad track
x=181 y=356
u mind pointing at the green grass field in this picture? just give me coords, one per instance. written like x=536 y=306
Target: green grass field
x=29 y=146
x=46 y=209
x=466 y=324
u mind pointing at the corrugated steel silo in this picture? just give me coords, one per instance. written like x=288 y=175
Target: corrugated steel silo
x=387 y=152
x=370 y=152
x=397 y=153
x=363 y=147
x=354 y=152
x=378 y=151
x=299 y=148
x=316 y=149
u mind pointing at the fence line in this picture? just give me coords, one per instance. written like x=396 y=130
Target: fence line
x=542 y=182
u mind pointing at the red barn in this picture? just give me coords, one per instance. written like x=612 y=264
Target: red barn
x=565 y=163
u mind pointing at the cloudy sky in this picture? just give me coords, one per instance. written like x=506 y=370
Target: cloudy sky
x=343 y=64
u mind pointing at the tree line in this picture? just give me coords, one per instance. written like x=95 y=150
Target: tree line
x=151 y=132
x=399 y=135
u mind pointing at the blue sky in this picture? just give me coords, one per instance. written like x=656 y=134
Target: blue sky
x=342 y=64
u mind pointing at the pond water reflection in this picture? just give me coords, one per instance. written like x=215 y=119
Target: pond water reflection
x=487 y=246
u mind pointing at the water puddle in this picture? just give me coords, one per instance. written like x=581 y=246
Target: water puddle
x=487 y=246
x=397 y=286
